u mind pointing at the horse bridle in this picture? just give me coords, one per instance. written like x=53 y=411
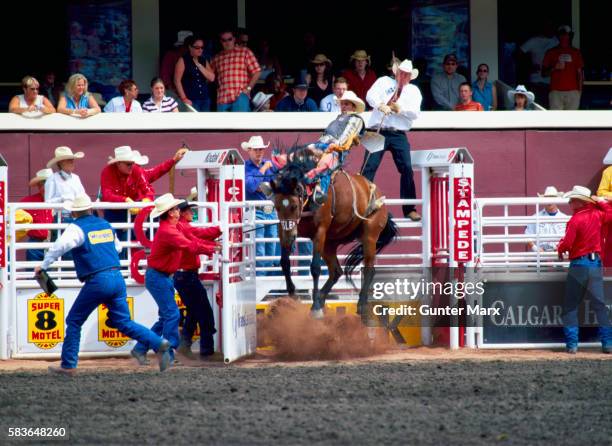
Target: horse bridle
x=288 y=225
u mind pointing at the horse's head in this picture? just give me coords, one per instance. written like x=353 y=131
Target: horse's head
x=288 y=193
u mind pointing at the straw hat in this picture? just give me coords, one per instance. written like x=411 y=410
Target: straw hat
x=164 y=203
x=254 y=142
x=406 y=67
x=551 y=191
x=360 y=55
x=126 y=154
x=80 y=203
x=41 y=176
x=193 y=194
x=520 y=89
x=181 y=36
x=352 y=97
x=321 y=58
x=580 y=193
x=260 y=99
x=63 y=153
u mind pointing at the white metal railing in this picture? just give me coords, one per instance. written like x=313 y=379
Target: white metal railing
x=501 y=240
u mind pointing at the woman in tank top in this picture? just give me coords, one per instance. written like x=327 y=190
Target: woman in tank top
x=30 y=102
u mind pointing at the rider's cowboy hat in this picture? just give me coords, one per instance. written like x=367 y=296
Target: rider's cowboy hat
x=350 y=96
x=164 y=203
x=360 y=55
x=520 y=89
x=41 y=176
x=551 y=191
x=80 y=203
x=406 y=66
x=254 y=142
x=63 y=153
x=127 y=155
x=580 y=193
x=321 y=58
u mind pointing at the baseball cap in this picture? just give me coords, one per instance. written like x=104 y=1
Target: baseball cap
x=302 y=85
x=450 y=57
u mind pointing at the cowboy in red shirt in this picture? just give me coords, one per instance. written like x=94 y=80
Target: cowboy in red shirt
x=169 y=245
x=583 y=241
x=189 y=287
x=38 y=215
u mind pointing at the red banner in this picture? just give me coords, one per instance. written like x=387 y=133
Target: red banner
x=462 y=215
x=2 y=226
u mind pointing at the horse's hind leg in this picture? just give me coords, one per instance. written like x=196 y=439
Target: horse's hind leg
x=334 y=268
x=371 y=232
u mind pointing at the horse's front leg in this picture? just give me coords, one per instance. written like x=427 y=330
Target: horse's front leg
x=315 y=270
x=286 y=267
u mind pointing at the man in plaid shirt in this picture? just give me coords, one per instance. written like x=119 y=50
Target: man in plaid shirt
x=237 y=72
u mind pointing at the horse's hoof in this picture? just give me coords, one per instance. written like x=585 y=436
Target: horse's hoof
x=317 y=314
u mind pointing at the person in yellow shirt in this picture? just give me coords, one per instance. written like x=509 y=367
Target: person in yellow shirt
x=605 y=190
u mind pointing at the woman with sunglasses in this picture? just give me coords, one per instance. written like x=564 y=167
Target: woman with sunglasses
x=30 y=102
x=192 y=74
x=484 y=91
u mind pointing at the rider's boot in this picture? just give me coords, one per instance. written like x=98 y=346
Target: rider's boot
x=318 y=196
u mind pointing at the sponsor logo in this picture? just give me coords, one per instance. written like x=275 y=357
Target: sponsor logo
x=183 y=312
x=45 y=321
x=241 y=320
x=233 y=190
x=102 y=236
x=462 y=215
x=109 y=334
x=212 y=157
x=451 y=155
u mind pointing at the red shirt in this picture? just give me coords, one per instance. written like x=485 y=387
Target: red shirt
x=358 y=85
x=204 y=235
x=470 y=106
x=584 y=231
x=116 y=187
x=566 y=79
x=38 y=216
x=169 y=245
x=234 y=69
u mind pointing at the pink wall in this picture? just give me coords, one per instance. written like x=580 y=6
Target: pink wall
x=507 y=162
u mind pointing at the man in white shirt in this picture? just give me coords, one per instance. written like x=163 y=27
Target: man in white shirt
x=396 y=104
x=547 y=228
x=331 y=102
x=534 y=49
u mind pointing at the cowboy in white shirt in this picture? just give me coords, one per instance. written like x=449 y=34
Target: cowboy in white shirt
x=64 y=184
x=396 y=104
x=547 y=229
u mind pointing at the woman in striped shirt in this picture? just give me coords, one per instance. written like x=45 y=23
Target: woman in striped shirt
x=159 y=102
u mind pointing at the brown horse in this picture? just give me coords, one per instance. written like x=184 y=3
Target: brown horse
x=340 y=220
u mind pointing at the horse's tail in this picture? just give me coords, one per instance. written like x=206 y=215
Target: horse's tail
x=355 y=256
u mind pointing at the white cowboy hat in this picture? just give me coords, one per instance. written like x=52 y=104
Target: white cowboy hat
x=608 y=158
x=520 y=89
x=63 y=153
x=254 y=142
x=193 y=194
x=551 y=191
x=260 y=99
x=181 y=36
x=126 y=154
x=406 y=66
x=80 y=203
x=164 y=203
x=581 y=193
x=41 y=176
x=352 y=97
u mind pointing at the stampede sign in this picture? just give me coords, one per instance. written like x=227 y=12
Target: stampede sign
x=109 y=334
x=45 y=321
x=183 y=310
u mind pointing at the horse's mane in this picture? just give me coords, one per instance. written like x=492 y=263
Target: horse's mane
x=293 y=172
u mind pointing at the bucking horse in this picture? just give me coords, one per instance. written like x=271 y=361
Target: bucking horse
x=353 y=212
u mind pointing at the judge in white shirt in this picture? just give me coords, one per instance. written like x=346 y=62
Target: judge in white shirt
x=396 y=104
x=548 y=228
x=64 y=184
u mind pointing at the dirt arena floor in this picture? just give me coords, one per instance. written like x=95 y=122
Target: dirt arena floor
x=412 y=396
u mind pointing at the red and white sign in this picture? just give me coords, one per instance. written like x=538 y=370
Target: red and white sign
x=234 y=190
x=2 y=226
x=462 y=215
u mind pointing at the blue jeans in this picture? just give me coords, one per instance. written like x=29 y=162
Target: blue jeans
x=162 y=289
x=118 y=216
x=397 y=143
x=585 y=279
x=199 y=311
x=241 y=104
x=201 y=105
x=106 y=287
x=266 y=248
x=34 y=255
